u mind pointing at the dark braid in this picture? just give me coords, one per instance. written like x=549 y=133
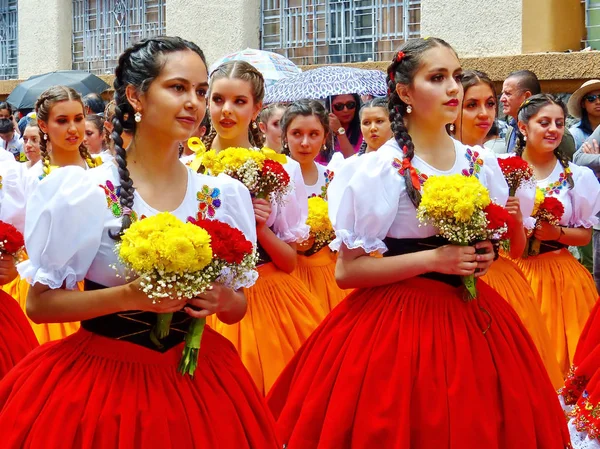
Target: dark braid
x=209 y=138
x=402 y=71
x=256 y=137
x=530 y=108
x=138 y=66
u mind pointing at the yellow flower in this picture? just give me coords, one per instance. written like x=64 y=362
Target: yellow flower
x=453 y=197
x=539 y=199
x=196 y=145
x=318 y=215
x=274 y=156
x=229 y=160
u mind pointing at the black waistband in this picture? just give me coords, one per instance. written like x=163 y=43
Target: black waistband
x=407 y=246
x=134 y=326
x=547 y=246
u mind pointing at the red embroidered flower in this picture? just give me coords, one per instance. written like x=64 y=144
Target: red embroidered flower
x=11 y=240
x=499 y=220
x=228 y=243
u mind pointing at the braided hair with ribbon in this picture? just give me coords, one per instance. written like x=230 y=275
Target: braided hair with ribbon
x=138 y=66
x=401 y=71
x=530 y=108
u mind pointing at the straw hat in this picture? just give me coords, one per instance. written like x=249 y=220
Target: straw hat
x=574 y=103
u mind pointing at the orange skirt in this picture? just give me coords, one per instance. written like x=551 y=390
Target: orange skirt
x=508 y=280
x=318 y=274
x=281 y=315
x=565 y=292
x=44 y=332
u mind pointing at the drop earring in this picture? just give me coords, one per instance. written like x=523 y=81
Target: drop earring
x=137 y=117
x=408 y=109
x=254 y=125
x=45 y=136
x=451 y=127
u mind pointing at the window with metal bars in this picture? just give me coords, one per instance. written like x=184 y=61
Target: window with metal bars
x=103 y=29
x=9 y=34
x=333 y=31
x=592 y=23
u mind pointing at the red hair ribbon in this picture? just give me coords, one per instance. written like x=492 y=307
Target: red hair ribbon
x=399 y=56
x=414 y=176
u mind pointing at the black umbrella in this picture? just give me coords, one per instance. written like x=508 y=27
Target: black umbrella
x=26 y=93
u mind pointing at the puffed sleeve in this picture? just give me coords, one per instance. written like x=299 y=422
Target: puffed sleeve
x=491 y=176
x=585 y=197
x=63 y=228
x=288 y=220
x=363 y=202
x=13 y=196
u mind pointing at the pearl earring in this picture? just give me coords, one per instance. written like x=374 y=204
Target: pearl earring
x=452 y=127
x=408 y=109
x=45 y=136
x=137 y=117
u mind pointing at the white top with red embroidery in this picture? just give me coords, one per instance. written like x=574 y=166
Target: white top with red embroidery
x=582 y=202
x=368 y=200
x=71 y=213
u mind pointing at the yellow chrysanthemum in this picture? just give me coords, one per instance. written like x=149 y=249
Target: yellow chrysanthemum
x=230 y=159
x=539 y=199
x=318 y=215
x=454 y=197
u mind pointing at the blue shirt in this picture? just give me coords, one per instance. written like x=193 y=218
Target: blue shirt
x=579 y=135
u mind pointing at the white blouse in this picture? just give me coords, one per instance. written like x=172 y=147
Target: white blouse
x=582 y=202
x=13 y=193
x=525 y=193
x=368 y=201
x=71 y=213
x=324 y=178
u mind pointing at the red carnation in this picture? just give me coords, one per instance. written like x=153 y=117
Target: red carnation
x=274 y=179
x=274 y=168
x=228 y=243
x=553 y=207
x=499 y=219
x=516 y=171
x=11 y=240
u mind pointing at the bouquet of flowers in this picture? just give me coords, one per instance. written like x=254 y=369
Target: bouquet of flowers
x=461 y=209
x=182 y=260
x=261 y=171
x=11 y=241
x=516 y=171
x=550 y=210
x=321 y=230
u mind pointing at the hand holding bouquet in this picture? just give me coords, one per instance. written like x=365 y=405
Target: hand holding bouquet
x=550 y=211
x=321 y=230
x=461 y=209
x=516 y=171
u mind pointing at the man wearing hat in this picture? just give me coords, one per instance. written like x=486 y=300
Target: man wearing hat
x=584 y=104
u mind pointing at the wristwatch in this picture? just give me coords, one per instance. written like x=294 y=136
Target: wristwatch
x=340 y=132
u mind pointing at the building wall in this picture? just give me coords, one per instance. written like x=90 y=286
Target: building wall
x=44 y=36
x=219 y=27
x=552 y=25
x=475 y=27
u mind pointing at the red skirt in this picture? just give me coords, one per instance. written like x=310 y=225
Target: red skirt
x=91 y=392
x=16 y=337
x=410 y=365
x=581 y=393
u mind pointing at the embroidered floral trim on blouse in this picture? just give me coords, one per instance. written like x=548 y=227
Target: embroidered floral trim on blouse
x=586 y=417
x=558 y=185
x=475 y=163
x=208 y=202
x=574 y=387
x=112 y=200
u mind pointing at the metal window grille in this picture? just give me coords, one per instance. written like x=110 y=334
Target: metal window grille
x=592 y=23
x=103 y=29
x=334 y=31
x=8 y=39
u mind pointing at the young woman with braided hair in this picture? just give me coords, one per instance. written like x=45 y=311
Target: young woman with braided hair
x=565 y=291
x=122 y=390
x=404 y=362
x=282 y=312
x=477 y=113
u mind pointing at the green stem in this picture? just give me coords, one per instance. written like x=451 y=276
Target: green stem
x=193 y=338
x=161 y=328
x=469 y=283
x=512 y=191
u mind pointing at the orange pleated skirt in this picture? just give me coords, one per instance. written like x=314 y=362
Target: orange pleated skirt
x=565 y=292
x=44 y=332
x=317 y=272
x=508 y=280
x=282 y=313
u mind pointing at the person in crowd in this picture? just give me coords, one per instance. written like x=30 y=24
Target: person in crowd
x=94 y=104
x=282 y=312
x=122 y=390
x=493 y=141
x=344 y=122
x=454 y=373
x=127 y=135
x=584 y=105
x=269 y=123
x=94 y=134
x=31 y=143
x=10 y=140
x=187 y=155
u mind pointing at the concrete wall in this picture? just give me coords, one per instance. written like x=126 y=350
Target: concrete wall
x=45 y=29
x=475 y=27
x=219 y=27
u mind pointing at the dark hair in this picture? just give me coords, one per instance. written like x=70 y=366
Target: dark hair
x=471 y=78
x=268 y=111
x=244 y=71
x=402 y=71
x=98 y=122
x=585 y=125
x=354 y=132
x=94 y=102
x=527 y=81
x=5 y=105
x=43 y=106
x=138 y=66
x=6 y=125
x=206 y=123
x=304 y=108
x=530 y=108
x=377 y=102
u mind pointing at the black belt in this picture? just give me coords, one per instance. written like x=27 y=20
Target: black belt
x=134 y=326
x=406 y=246
x=548 y=246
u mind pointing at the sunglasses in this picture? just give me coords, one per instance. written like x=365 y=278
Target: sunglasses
x=591 y=98
x=340 y=106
